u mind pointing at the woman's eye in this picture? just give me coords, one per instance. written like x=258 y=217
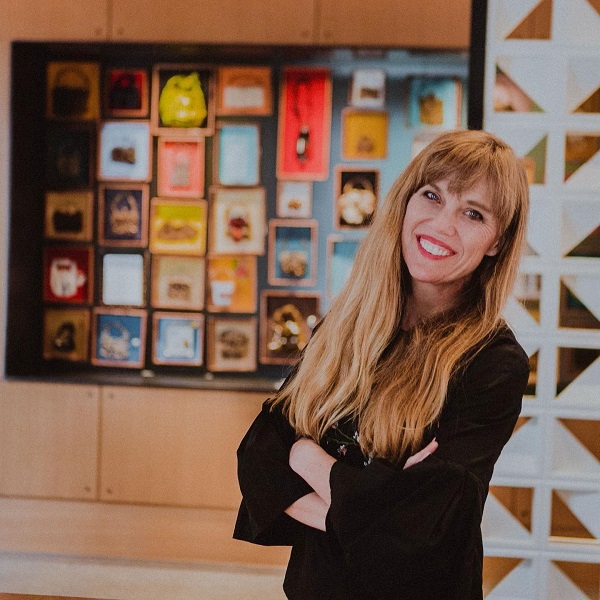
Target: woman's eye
x=475 y=215
x=431 y=195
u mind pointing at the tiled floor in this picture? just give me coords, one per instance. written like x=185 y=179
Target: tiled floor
x=129 y=580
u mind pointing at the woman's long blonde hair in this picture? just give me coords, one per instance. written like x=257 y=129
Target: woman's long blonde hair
x=359 y=364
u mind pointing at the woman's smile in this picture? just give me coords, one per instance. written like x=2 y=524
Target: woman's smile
x=432 y=248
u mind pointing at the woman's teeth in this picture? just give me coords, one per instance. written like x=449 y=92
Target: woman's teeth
x=433 y=248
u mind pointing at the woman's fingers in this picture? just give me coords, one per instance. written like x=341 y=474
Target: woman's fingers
x=422 y=454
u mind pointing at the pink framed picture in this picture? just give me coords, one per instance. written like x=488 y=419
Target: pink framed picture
x=180 y=167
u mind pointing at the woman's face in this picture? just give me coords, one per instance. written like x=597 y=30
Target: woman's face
x=445 y=236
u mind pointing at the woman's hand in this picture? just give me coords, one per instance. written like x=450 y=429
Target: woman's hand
x=313 y=464
x=422 y=454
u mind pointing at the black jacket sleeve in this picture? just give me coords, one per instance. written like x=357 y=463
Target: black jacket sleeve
x=419 y=529
x=267 y=482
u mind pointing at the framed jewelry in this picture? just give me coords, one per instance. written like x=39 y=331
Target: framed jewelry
x=244 y=91
x=123 y=279
x=368 y=88
x=356 y=197
x=183 y=99
x=73 y=90
x=232 y=344
x=292 y=252
x=178 y=226
x=66 y=334
x=364 y=134
x=68 y=274
x=435 y=101
x=177 y=338
x=304 y=124
x=69 y=156
x=123 y=215
x=68 y=216
x=232 y=284
x=126 y=93
x=237 y=221
x=237 y=154
x=341 y=252
x=180 y=167
x=294 y=199
x=119 y=337
x=178 y=282
x=287 y=320
x=125 y=151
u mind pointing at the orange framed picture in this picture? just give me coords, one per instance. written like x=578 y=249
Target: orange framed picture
x=231 y=284
x=243 y=90
x=364 y=134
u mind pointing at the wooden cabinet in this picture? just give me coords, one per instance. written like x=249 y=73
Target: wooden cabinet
x=395 y=23
x=54 y=20
x=48 y=440
x=175 y=447
x=226 y=21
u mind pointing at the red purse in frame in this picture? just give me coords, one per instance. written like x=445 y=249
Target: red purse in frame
x=304 y=124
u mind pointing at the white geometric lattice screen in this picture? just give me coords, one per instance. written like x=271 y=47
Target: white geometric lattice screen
x=542 y=95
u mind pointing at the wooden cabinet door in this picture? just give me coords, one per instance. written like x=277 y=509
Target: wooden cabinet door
x=54 y=20
x=48 y=440
x=173 y=447
x=226 y=21
x=396 y=23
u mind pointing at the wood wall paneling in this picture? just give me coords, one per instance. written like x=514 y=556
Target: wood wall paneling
x=54 y=20
x=48 y=440
x=227 y=21
x=173 y=447
x=96 y=529
x=395 y=23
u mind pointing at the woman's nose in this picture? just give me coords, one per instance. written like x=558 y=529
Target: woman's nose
x=445 y=221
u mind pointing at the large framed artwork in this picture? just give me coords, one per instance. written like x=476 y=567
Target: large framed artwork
x=304 y=133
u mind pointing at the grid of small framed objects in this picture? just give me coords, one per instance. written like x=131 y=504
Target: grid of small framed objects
x=203 y=215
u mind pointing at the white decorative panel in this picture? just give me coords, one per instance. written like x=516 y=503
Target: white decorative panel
x=542 y=95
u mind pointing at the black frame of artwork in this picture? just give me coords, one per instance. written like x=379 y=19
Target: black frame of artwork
x=25 y=305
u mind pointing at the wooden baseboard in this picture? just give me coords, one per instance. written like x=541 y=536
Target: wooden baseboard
x=95 y=529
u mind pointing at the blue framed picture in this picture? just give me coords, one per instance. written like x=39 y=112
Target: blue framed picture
x=435 y=101
x=125 y=151
x=292 y=252
x=238 y=154
x=341 y=253
x=177 y=338
x=119 y=337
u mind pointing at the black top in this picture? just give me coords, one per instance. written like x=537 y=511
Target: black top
x=397 y=534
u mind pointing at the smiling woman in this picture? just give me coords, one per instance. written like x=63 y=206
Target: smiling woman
x=374 y=459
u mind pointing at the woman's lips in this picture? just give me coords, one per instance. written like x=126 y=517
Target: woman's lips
x=432 y=248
